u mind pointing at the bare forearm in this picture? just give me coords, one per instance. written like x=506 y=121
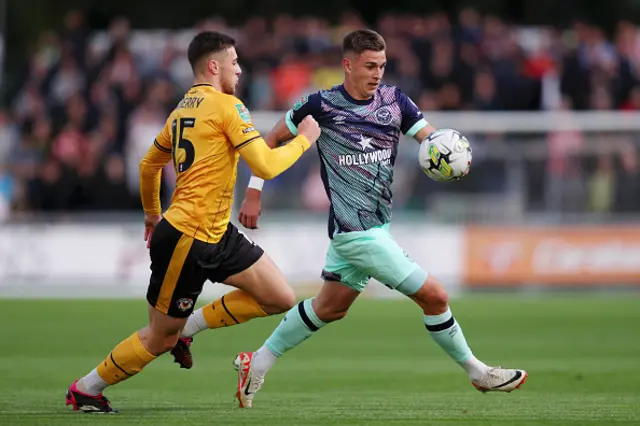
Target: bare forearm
x=424 y=133
x=271 y=140
x=279 y=134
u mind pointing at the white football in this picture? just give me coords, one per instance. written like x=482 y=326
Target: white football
x=445 y=155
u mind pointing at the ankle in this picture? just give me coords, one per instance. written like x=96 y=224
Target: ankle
x=263 y=360
x=91 y=384
x=475 y=368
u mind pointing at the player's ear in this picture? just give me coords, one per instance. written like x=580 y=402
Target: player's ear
x=346 y=64
x=214 y=66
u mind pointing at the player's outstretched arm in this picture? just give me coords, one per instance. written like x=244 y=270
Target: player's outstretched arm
x=413 y=122
x=424 y=133
x=284 y=130
x=279 y=134
x=267 y=163
x=251 y=206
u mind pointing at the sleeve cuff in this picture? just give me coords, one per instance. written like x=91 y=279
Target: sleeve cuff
x=420 y=124
x=256 y=183
x=292 y=127
x=304 y=141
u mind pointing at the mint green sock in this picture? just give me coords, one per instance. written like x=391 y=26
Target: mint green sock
x=447 y=333
x=296 y=326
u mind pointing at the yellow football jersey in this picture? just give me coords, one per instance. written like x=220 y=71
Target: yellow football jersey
x=201 y=137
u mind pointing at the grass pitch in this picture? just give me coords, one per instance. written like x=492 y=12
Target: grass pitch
x=377 y=367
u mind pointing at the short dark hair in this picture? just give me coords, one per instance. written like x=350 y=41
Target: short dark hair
x=205 y=43
x=360 y=40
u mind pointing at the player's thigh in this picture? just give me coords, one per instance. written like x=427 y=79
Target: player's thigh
x=265 y=282
x=376 y=253
x=246 y=266
x=176 y=275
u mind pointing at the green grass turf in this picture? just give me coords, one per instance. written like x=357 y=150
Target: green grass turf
x=377 y=367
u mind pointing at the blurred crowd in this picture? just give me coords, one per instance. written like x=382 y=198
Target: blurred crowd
x=90 y=103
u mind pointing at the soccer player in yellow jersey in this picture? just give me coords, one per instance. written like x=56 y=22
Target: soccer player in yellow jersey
x=203 y=137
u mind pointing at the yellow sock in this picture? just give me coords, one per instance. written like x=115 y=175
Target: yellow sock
x=231 y=309
x=125 y=360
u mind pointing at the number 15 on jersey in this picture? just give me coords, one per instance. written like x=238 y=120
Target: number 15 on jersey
x=183 y=151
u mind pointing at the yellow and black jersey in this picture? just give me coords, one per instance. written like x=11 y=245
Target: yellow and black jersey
x=203 y=137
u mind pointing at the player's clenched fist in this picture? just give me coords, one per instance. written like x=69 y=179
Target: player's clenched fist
x=309 y=128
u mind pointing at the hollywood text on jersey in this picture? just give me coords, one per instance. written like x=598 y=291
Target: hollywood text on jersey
x=360 y=159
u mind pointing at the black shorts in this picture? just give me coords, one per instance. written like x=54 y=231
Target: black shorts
x=180 y=265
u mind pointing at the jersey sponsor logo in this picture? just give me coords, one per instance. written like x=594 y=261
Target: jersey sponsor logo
x=303 y=100
x=243 y=112
x=383 y=115
x=378 y=156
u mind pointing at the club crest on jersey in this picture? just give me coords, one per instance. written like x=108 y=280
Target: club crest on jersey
x=303 y=100
x=243 y=112
x=185 y=304
x=383 y=115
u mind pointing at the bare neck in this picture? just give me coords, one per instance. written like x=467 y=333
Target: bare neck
x=351 y=90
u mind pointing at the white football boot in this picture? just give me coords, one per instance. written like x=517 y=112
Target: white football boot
x=248 y=381
x=500 y=379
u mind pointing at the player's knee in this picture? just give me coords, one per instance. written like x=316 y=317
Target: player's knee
x=158 y=343
x=431 y=296
x=280 y=302
x=283 y=303
x=287 y=300
x=328 y=313
x=438 y=296
x=167 y=342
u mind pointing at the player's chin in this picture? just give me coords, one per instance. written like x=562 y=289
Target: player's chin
x=371 y=88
